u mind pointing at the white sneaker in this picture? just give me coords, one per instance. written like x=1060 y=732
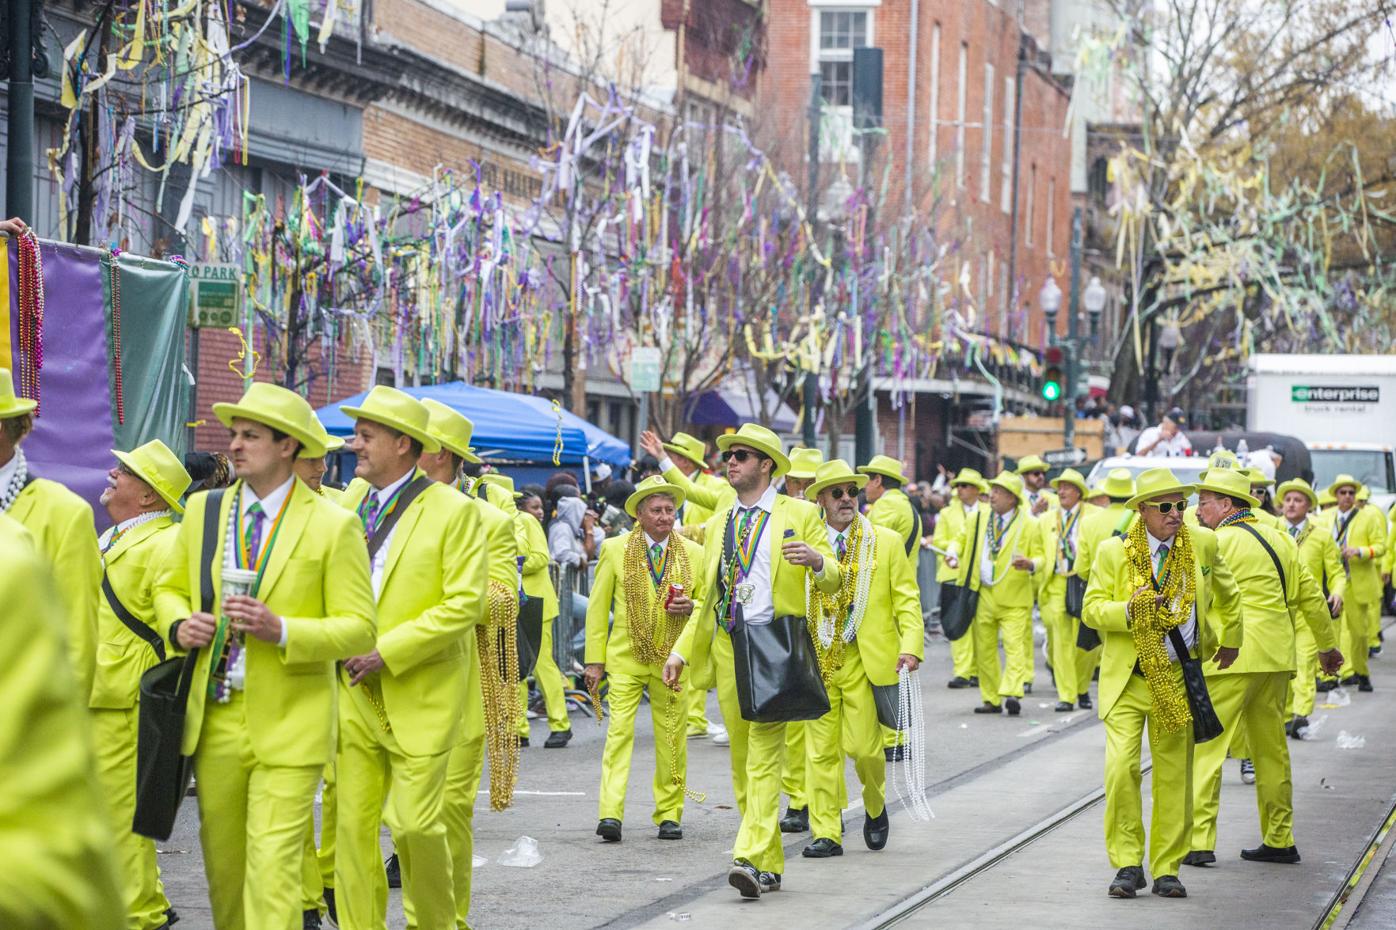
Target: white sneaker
x=718 y=733
x=1247 y=772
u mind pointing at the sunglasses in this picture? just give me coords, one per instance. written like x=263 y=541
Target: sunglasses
x=741 y=455
x=839 y=494
x=1169 y=506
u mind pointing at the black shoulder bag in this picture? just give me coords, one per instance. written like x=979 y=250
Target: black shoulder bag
x=959 y=602
x=128 y=619
x=162 y=770
x=1205 y=724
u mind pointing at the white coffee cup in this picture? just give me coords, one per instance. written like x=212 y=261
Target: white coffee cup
x=238 y=581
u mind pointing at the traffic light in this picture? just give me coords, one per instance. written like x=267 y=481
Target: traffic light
x=1052 y=374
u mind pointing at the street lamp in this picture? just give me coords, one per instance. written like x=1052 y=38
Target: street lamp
x=1094 y=299
x=1050 y=300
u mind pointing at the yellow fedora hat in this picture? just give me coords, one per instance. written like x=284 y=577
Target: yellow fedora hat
x=328 y=442
x=451 y=428
x=1230 y=482
x=160 y=468
x=654 y=484
x=1119 y=482
x=397 y=410
x=832 y=472
x=763 y=440
x=280 y=409
x=1223 y=458
x=1343 y=481
x=804 y=462
x=1029 y=463
x=690 y=447
x=1326 y=498
x=884 y=465
x=1097 y=491
x=971 y=477
x=1300 y=485
x=501 y=481
x=1072 y=477
x=1157 y=482
x=1364 y=493
x=10 y=405
x=1257 y=477
x=1010 y=481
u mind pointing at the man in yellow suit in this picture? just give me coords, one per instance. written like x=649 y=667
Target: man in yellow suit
x=62 y=526
x=1113 y=519
x=1161 y=580
x=969 y=487
x=1319 y=554
x=999 y=563
x=142 y=498
x=1033 y=470
x=681 y=462
x=260 y=722
x=405 y=702
x=775 y=543
x=644 y=593
x=59 y=869
x=1251 y=692
x=494 y=727
x=866 y=633
x=1360 y=533
x=1061 y=540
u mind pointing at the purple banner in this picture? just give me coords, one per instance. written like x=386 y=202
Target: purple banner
x=72 y=438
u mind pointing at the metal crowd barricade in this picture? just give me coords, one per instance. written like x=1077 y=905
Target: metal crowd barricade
x=569 y=629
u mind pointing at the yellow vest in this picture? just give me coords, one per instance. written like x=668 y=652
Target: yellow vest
x=614 y=649
x=134 y=564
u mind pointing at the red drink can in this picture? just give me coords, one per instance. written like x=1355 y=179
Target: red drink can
x=675 y=590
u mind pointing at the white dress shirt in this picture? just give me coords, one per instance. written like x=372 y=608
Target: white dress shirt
x=380 y=558
x=986 y=559
x=1173 y=448
x=271 y=506
x=1188 y=628
x=7 y=471
x=761 y=608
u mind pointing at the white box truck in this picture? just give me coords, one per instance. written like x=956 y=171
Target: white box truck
x=1343 y=407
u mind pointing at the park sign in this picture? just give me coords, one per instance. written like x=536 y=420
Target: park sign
x=644 y=369
x=214 y=297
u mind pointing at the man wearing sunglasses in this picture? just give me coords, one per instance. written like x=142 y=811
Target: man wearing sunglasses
x=1361 y=537
x=758 y=552
x=1061 y=541
x=1160 y=578
x=1251 y=692
x=863 y=639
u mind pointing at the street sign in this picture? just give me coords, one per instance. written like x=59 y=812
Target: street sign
x=215 y=291
x=1065 y=458
x=644 y=369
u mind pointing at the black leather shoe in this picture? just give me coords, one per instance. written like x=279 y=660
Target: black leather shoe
x=1127 y=881
x=1168 y=886
x=1027 y=687
x=670 y=830
x=974 y=681
x=1364 y=684
x=609 y=829
x=394 y=872
x=744 y=877
x=822 y=848
x=1012 y=706
x=558 y=739
x=796 y=820
x=172 y=915
x=310 y=920
x=894 y=753
x=1373 y=651
x=523 y=742
x=1298 y=726
x=875 y=830
x=958 y=682
x=1325 y=685
x=330 y=906
x=1348 y=681
x=1083 y=701
x=1064 y=707
x=987 y=708
x=1263 y=853
x=770 y=881
x=1200 y=857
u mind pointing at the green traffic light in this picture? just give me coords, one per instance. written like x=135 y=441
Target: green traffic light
x=1051 y=390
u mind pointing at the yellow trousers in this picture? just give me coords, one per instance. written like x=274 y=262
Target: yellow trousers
x=793 y=775
x=252 y=823
x=1303 y=686
x=759 y=837
x=1014 y=623
x=369 y=762
x=668 y=713
x=317 y=865
x=463 y=771
x=1087 y=661
x=114 y=734
x=1363 y=622
x=962 y=656
x=1061 y=639
x=737 y=728
x=1171 y=783
x=1256 y=701
x=551 y=683
x=850 y=728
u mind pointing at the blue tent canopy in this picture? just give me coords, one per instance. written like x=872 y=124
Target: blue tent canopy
x=507 y=425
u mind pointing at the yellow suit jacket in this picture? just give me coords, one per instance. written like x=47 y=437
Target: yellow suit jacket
x=1320 y=556
x=1111 y=585
x=787 y=581
x=59 y=870
x=317 y=581
x=892 y=621
x=62 y=526
x=1366 y=532
x=1266 y=610
x=607 y=604
x=1388 y=561
x=134 y=564
x=895 y=511
x=1014 y=588
x=431 y=597
x=1095 y=529
x=950 y=525
x=702 y=498
x=532 y=543
x=1050 y=524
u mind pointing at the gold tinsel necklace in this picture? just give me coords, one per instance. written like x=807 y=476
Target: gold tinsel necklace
x=653 y=629
x=834 y=619
x=1151 y=620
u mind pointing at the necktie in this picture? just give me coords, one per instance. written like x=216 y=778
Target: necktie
x=841 y=546
x=743 y=521
x=1160 y=558
x=1294 y=531
x=656 y=553
x=255 y=516
x=371 y=514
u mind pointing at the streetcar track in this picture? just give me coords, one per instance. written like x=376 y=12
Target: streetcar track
x=1346 y=903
